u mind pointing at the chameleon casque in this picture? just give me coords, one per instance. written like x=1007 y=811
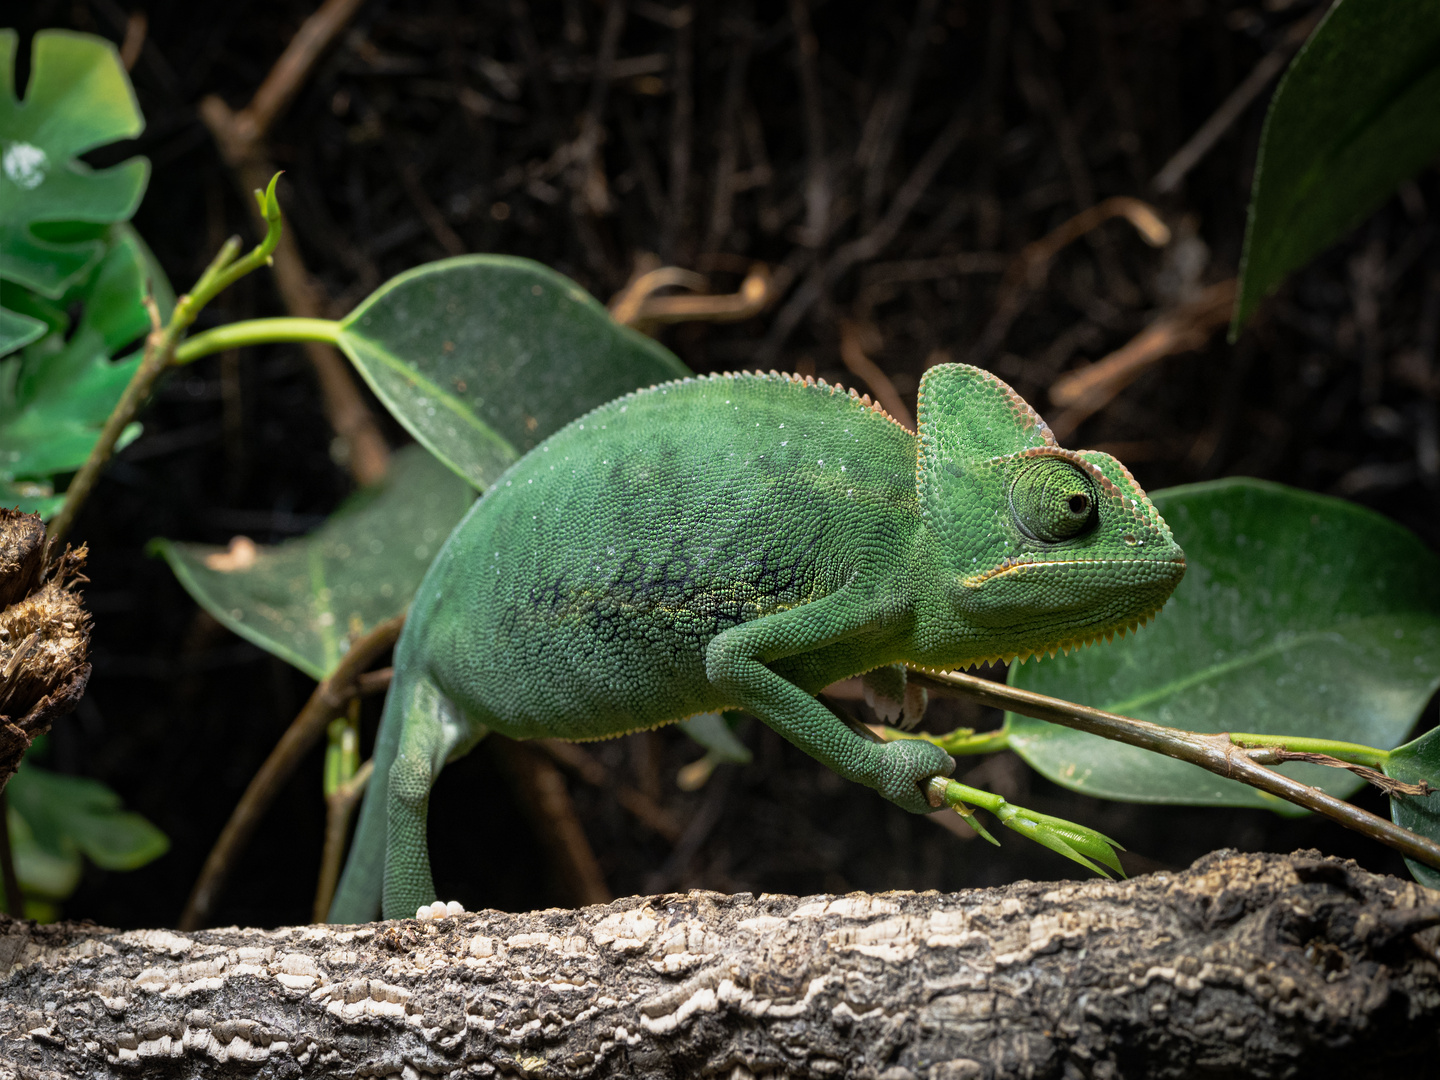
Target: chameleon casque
x=742 y=541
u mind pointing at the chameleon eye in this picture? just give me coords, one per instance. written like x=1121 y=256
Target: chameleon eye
x=1052 y=500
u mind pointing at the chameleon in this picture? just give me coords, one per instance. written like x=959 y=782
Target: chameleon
x=742 y=541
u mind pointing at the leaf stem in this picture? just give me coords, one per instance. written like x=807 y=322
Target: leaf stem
x=255 y=332
x=224 y=270
x=1354 y=753
x=329 y=699
x=1215 y=753
x=957 y=743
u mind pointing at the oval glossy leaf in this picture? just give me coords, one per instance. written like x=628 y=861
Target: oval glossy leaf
x=483 y=356
x=1415 y=762
x=78 y=98
x=306 y=599
x=1299 y=614
x=1354 y=115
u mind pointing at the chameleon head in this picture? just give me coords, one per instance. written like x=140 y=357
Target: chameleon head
x=1040 y=548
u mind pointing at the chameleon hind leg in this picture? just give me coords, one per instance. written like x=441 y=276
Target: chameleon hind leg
x=434 y=731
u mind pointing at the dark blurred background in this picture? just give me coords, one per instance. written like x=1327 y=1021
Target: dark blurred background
x=718 y=135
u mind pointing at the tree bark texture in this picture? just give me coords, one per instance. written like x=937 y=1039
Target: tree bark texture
x=1242 y=965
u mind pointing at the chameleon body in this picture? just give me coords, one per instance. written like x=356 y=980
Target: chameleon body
x=742 y=541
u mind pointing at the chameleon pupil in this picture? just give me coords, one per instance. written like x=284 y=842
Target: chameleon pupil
x=1052 y=500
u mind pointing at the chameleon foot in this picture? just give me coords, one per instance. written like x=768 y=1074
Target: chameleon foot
x=439 y=910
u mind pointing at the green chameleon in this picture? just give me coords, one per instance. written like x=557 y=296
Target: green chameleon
x=741 y=542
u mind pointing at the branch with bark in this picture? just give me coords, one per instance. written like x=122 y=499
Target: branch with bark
x=1240 y=965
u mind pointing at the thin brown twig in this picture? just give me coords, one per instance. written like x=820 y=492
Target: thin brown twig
x=366 y=452
x=1214 y=753
x=588 y=768
x=1278 y=755
x=886 y=120
x=135 y=29
x=448 y=239
x=817 y=181
x=339 y=809
x=728 y=143
x=240 y=136
x=542 y=790
x=326 y=702
x=681 y=132
x=587 y=175
x=855 y=337
x=289 y=72
x=1085 y=392
x=1029 y=269
x=637 y=305
x=820 y=279
x=1233 y=107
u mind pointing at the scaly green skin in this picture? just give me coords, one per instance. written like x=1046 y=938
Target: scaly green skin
x=742 y=541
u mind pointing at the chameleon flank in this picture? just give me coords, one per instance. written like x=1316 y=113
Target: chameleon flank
x=742 y=541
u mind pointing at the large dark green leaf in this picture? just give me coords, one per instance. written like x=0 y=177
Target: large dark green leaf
x=305 y=600
x=483 y=356
x=55 y=819
x=1415 y=762
x=1354 y=115
x=1299 y=614
x=78 y=98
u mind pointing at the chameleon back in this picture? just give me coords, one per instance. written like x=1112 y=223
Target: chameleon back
x=577 y=598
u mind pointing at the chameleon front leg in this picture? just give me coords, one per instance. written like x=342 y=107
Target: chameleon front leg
x=735 y=663
x=434 y=732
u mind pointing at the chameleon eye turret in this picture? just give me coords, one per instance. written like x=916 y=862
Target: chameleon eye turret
x=1053 y=500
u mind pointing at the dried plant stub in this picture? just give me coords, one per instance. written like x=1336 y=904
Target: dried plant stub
x=44 y=636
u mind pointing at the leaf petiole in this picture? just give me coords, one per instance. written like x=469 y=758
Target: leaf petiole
x=1354 y=753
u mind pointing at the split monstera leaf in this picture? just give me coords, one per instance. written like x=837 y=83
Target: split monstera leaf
x=65 y=246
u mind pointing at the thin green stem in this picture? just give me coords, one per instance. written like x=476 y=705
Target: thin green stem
x=1354 y=753
x=159 y=354
x=255 y=332
x=957 y=743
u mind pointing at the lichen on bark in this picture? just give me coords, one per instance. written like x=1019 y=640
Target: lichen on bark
x=1241 y=965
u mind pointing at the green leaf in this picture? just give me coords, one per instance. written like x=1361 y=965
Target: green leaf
x=1353 y=116
x=79 y=97
x=483 y=356
x=1415 y=762
x=712 y=731
x=1298 y=615
x=305 y=599
x=17 y=330
x=56 y=394
x=62 y=817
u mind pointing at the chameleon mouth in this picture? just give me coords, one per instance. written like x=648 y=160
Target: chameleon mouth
x=1014 y=567
x=1151 y=580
